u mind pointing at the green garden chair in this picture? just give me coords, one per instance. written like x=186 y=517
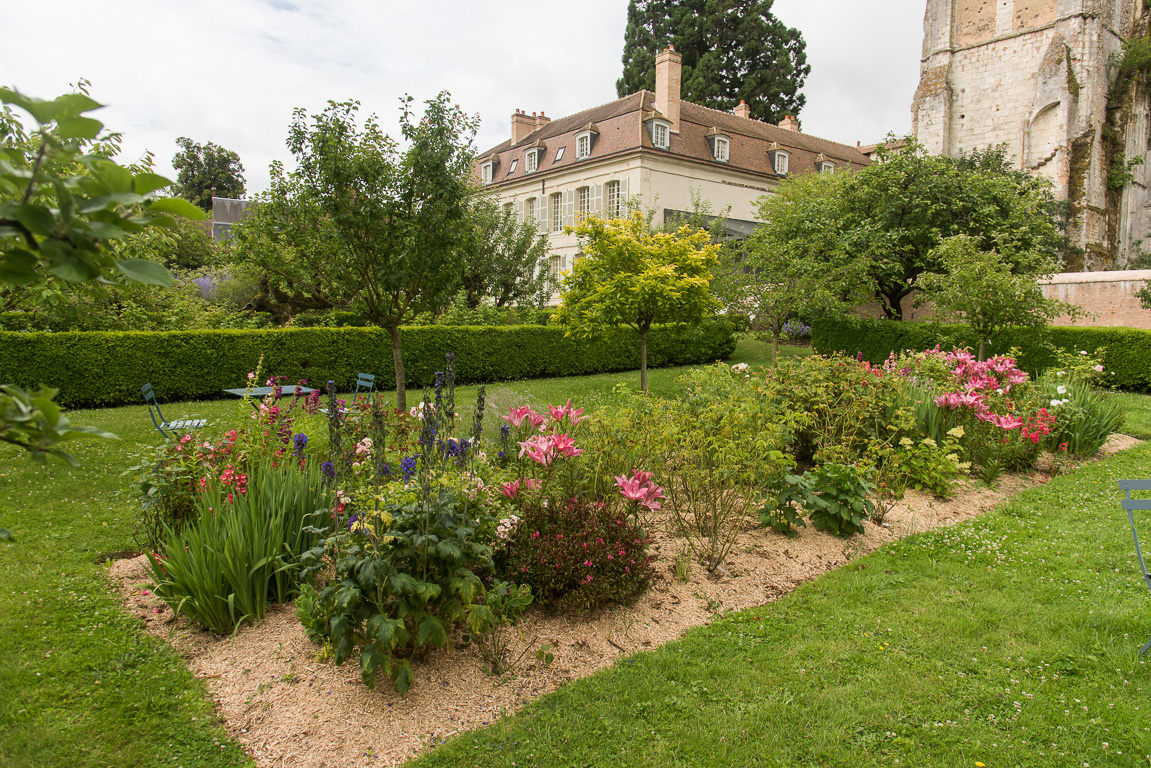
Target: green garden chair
x=163 y=426
x=365 y=383
x=1142 y=505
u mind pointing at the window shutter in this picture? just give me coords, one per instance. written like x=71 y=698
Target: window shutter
x=519 y=211
x=542 y=215
x=569 y=208
x=623 y=209
x=596 y=206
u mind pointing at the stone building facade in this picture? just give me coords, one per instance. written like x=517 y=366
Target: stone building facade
x=1041 y=77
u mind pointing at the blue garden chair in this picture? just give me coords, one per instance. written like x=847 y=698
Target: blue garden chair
x=1131 y=505
x=163 y=426
x=365 y=383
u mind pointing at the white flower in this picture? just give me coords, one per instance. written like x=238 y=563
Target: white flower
x=1083 y=351
x=1061 y=389
x=739 y=367
x=1059 y=373
x=1056 y=403
x=1099 y=368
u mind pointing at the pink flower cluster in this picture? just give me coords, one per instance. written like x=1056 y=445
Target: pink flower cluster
x=641 y=489
x=512 y=490
x=543 y=449
x=517 y=416
x=975 y=381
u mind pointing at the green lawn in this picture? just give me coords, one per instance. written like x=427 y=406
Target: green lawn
x=81 y=685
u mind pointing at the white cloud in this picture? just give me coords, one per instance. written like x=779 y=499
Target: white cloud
x=232 y=72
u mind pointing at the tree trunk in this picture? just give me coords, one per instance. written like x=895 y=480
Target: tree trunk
x=643 y=360
x=775 y=348
x=982 y=350
x=398 y=363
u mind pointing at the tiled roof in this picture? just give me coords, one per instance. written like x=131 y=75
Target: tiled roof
x=620 y=126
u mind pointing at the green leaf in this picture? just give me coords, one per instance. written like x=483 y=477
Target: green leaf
x=36 y=218
x=72 y=270
x=78 y=128
x=17 y=267
x=177 y=206
x=144 y=271
x=143 y=183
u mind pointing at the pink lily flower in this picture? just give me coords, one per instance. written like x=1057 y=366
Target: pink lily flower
x=517 y=415
x=536 y=419
x=511 y=490
x=532 y=484
x=559 y=413
x=565 y=446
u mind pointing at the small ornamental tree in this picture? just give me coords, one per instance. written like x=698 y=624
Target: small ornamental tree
x=989 y=293
x=629 y=275
x=207 y=171
x=786 y=268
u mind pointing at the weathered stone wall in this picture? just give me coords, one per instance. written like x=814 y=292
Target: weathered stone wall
x=1037 y=75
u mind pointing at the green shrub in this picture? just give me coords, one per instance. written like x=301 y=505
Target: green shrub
x=244 y=550
x=1125 y=352
x=1083 y=417
x=579 y=555
x=102 y=369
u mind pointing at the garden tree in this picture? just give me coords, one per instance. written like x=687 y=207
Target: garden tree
x=359 y=220
x=895 y=213
x=791 y=265
x=64 y=206
x=630 y=275
x=502 y=259
x=990 y=293
x=732 y=50
x=207 y=171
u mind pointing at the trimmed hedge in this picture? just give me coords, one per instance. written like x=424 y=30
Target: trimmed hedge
x=101 y=369
x=1128 y=349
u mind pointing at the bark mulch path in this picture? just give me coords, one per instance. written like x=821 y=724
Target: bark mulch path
x=288 y=708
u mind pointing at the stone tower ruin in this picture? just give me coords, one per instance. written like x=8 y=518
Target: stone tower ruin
x=1043 y=76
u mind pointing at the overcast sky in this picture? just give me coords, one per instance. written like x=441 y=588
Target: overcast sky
x=231 y=72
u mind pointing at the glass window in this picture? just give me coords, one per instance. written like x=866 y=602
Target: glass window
x=557 y=212
x=781 y=163
x=556 y=266
x=559 y=154
x=486 y=171
x=583 y=146
x=583 y=200
x=827 y=167
x=512 y=167
x=721 y=149
x=659 y=135
x=612 y=202
x=530 y=210
x=533 y=161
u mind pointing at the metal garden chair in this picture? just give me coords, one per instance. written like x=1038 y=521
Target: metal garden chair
x=163 y=426
x=1131 y=505
x=365 y=383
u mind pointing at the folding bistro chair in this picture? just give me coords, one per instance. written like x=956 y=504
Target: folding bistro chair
x=1131 y=505
x=163 y=425
x=365 y=382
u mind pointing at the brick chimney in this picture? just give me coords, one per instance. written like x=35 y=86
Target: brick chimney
x=522 y=125
x=667 y=85
x=541 y=120
x=743 y=110
x=789 y=123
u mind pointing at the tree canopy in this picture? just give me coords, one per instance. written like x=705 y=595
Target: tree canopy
x=207 y=171
x=896 y=212
x=787 y=268
x=360 y=220
x=630 y=275
x=732 y=50
x=504 y=260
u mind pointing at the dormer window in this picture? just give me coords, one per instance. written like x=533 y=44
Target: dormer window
x=512 y=167
x=720 y=146
x=779 y=162
x=825 y=166
x=486 y=172
x=660 y=134
x=532 y=160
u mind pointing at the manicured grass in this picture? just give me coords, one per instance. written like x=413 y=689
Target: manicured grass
x=1010 y=641
x=1138 y=414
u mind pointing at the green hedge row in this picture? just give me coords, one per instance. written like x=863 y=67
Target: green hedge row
x=1128 y=349
x=100 y=369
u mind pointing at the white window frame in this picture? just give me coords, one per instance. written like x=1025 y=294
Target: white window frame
x=826 y=166
x=722 y=149
x=559 y=155
x=556 y=266
x=660 y=134
x=487 y=172
x=583 y=200
x=512 y=167
x=557 y=212
x=583 y=145
x=532 y=161
x=611 y=200
x=530 y=211
x=782 y=163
